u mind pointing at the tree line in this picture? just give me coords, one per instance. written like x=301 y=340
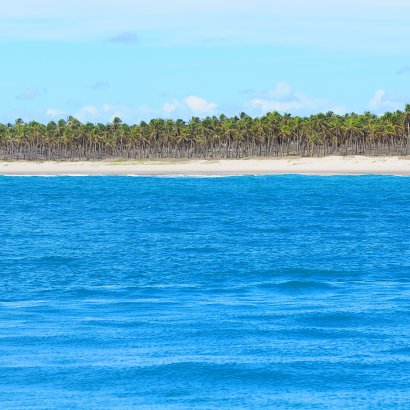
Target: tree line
x=270 y=135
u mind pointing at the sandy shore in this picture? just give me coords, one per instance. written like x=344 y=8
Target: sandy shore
x=315 y=166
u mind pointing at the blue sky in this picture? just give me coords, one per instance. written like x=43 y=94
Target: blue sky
x=139 y=59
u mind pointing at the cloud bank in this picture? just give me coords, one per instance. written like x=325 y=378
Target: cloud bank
x=191 y=105
x=351 y=25
x=382 y=102
x=283 y=98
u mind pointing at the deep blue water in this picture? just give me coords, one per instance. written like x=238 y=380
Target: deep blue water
x=238 y=292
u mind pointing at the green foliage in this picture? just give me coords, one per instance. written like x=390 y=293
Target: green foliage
x=272 y=134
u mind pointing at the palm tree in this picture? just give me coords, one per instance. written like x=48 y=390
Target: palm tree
x=272 y=134
x=406 y=123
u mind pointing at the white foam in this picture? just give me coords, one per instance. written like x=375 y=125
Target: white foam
x=48 y=175
x=189 y=176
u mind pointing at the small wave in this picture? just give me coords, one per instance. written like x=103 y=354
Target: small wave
x=399 y=351
x=298 y=284
x=43 y=260
x=307 y=274
x=200 y=249
x=337 y=319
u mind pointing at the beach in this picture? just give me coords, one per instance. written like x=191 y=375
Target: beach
x=332 y=165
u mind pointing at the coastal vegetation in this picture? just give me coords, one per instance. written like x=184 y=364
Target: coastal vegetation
x=270 y=135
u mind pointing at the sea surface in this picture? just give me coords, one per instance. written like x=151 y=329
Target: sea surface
x=276 y=292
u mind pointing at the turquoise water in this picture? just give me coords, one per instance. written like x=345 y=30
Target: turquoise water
x=239 y=292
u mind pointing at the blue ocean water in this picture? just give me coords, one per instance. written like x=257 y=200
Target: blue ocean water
x=238 y=292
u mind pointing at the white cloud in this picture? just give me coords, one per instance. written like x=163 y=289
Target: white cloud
x=54 y=113
x=191 y=105
x=281 y=90
x=170 y=107
x=381 y=102
x=104 y=113
x=266 y=105
x=283 y=98
x=377 y=99
x=89 y=109
x=87 y=113
x=198 y=105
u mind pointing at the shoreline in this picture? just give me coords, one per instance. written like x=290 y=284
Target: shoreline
x=332 y=165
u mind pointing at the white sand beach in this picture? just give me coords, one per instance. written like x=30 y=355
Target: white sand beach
x=352 y=165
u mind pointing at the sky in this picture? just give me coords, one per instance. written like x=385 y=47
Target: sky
x=143 y=59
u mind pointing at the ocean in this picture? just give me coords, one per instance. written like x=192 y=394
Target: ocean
x=275 y=292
